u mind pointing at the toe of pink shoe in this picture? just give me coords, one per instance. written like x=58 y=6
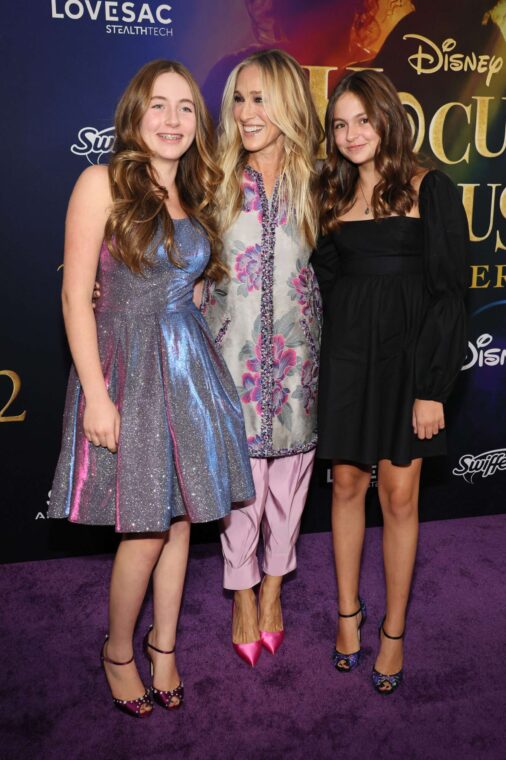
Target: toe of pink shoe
x=272 y=640
x=249 y=652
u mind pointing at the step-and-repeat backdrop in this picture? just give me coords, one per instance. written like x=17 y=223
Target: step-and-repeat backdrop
x=65 y=63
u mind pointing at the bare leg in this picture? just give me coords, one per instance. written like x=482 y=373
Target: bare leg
x=240 y=533
x=245 y=618
x=133 y=564
x=168 y=583
x=288 y=483
x=270 y=616
x=350 y=484
x=398 y=489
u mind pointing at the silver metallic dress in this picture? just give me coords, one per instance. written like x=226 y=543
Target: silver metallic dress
x=182 y=446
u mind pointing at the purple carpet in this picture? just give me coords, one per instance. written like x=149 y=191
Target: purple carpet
x=452 y=704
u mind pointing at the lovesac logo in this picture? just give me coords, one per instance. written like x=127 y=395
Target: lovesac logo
x=485 y=464
x=132 y=18
x=93 y=144
x=478 y=354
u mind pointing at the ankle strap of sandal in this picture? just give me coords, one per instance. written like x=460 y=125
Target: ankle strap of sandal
x=394 y=638
x=161 y=651
x=351 y=615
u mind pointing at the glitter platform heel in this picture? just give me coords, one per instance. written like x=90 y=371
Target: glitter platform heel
x=383 y=683
x=345 y=663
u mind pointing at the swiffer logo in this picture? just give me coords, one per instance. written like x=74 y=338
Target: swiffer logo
x=93 y=144
x=485 y=464
x=130 y=18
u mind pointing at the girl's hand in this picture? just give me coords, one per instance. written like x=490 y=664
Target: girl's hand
x=428 y=418
x=101 y=423
x=96 y=294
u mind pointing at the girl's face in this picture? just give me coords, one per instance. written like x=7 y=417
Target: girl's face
x=356 y=139
x=257 y=131
x=168 y=127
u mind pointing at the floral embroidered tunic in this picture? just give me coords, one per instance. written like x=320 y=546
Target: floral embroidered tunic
x=267 y=321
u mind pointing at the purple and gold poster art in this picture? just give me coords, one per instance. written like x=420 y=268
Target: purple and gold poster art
x=65 y=64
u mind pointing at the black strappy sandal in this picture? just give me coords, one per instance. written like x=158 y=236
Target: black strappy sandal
x=383 y=683
x=345 y=663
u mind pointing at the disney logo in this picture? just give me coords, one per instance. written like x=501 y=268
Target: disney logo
x=93 y=143
x=478 y=355
x=430 y=58
x=485 y=464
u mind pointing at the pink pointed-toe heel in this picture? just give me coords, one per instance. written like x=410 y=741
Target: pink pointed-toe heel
x=272 y=640
x=249 y=652
x=131 y=707
x=164 y=697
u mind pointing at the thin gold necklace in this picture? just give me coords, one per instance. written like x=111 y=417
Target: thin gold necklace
x=367 y=205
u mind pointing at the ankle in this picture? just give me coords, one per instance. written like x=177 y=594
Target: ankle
x=163 y=638
x=272 y=584
x=119 y=651
x=348 y=607
x=393 y=628
x=244 y=597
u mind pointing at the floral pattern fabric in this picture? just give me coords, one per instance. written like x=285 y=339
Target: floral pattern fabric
x=267 y=320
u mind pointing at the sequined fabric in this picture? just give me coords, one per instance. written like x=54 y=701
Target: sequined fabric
x=182 y=447
x=379 y=680
x=345 y=663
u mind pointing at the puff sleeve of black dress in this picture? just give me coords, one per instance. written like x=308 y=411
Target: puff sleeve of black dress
x=442 y=343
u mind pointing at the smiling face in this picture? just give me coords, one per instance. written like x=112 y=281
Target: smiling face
x=356 y=139
x=257 y=131
x=169 y=124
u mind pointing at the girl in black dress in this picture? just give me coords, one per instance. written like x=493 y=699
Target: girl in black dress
x=391 y=265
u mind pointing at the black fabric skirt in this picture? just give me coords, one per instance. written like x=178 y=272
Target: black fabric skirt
x=367 y=371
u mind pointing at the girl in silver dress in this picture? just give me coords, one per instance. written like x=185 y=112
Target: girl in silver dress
x=153 y=430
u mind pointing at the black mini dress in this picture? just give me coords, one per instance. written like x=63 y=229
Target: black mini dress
x=394 y=326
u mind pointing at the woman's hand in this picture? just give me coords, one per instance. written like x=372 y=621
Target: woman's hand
x=428 y=418
x=101 y=423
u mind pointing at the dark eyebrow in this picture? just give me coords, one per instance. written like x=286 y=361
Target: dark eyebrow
x=252 y=92
x=356 y=116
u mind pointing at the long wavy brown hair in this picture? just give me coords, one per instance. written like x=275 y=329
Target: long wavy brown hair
x=139 y=218
x=395 y=160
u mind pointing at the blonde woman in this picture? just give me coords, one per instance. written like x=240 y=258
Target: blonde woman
x=153 y=433
x=266 y=319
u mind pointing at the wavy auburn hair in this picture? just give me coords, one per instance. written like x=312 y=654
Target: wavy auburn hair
x=289 y=105
x=395 y=160
x=139 y=216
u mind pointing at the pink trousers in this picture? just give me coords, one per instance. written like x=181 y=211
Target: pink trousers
x=281 y=486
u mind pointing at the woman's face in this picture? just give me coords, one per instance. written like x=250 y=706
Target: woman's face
x=356 y=139
x=168 y=127
x=258 y=133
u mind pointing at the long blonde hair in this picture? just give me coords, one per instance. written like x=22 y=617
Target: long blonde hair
x=139 y=214
x=290 y=107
